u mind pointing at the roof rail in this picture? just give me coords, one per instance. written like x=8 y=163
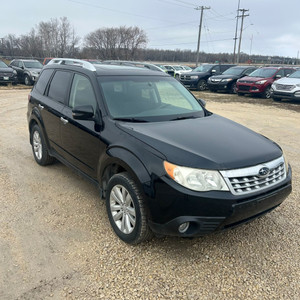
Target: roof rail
x=73 y=62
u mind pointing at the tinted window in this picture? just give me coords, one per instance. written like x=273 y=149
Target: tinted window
x=249 y=71
x=288 y=71
x=59 y=86
x=151 y=98
x=217 y=69
x=263 y=72
x=43 y=80
x=280 y=73
x=82 y=92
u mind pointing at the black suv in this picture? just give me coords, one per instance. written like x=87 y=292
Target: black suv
x=28 y=70
x=162 y=161
x=227 y=80
x=197 y=79
x=7 y=74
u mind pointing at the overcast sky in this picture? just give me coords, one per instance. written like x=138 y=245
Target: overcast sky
x=273 y=25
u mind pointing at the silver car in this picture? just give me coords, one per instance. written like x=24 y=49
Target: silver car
x=287 y=87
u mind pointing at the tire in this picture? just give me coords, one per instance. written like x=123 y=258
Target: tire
x=202 y=85
x=39 y=147
x=126 y=209
x=233 y=89
x=27 y=80
x=267 y=93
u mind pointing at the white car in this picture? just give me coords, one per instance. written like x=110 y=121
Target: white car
x=177 y=70
x=287 y=87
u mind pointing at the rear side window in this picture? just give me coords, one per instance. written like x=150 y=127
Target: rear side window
x=59 y=86
x=43 y=80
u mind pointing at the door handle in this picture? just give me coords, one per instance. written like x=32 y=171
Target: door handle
x=41 y=106
x=64 y=120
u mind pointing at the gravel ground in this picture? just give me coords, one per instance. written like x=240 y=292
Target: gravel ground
x=56 y=241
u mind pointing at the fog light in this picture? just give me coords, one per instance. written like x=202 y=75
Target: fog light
x=183 y=227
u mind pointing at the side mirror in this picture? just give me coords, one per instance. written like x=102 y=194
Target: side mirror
x=84 y=112
x=278 y=76
x=202 y=102
x=213 y=71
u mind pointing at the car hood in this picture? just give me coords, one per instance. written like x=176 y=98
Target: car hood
x=6 y=70
x=211 y=142
x=253 y=79
x=34 y=70
x=287 y=80
x=197 y=73
x=224 y=76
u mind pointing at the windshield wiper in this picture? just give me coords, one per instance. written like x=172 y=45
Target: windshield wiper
x=183 y=118
x=136 y=120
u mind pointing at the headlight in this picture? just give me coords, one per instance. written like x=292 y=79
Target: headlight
x=194 y=77
x=298 y=84
x=34 y=73
x=226 y=80
x=261 y=81
x=196 y=179
x=286 y=162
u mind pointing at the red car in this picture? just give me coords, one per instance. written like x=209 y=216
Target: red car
x=259 y=82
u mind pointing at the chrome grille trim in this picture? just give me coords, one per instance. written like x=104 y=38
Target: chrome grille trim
x=284 y=87
x=247 y=180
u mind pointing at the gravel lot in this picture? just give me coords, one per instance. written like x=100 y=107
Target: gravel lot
x=56 y=241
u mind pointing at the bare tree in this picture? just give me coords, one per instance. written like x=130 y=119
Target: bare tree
x=116 y=43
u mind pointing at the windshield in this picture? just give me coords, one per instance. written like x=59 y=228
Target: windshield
x=295 y=74
x=3 y=65
x=178 y=68
x=148 y=98
x=187 y=68
x=33 y=65
x=203 y=68
x=234 y=71
x=162 y=67
x=263 y=73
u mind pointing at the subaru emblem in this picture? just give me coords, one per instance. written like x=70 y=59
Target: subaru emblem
x=263 y=172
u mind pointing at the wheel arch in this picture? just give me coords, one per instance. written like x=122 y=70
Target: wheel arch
x=121 y=160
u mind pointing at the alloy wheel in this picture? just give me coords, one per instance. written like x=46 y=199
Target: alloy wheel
x=122 y=209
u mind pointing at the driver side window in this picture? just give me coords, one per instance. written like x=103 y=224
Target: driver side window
x=82 y=92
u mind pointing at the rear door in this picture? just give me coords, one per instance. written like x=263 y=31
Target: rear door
x=80 y=138
x=52 y=102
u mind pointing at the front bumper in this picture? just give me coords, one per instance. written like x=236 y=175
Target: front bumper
x=220 y=86
x=213 y=212
x=286 y=95
x=8 y=79
x=190 y=83
x=251 y=89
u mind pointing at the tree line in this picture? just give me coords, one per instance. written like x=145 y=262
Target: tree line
x=57 y=38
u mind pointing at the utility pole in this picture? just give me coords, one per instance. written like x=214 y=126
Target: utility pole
x=236 y=29
x=200 y=27
x=242 y=24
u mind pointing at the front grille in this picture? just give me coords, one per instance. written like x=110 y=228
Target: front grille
x=284 y=87
x=245 y=81
x=244 y=88
x=248 y=180
x=6 y=74
x=185 y=77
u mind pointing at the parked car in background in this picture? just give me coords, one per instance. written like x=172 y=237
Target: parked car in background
x=287 y=88
x=162 y=162
x=7 y=74
x=259 y=82
x=227 y=80
x=27 y=70
x=197 y=79
x=46 y=60
x=177 y=70
x=162 y=67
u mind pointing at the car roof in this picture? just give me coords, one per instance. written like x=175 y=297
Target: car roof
x=101 y=69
